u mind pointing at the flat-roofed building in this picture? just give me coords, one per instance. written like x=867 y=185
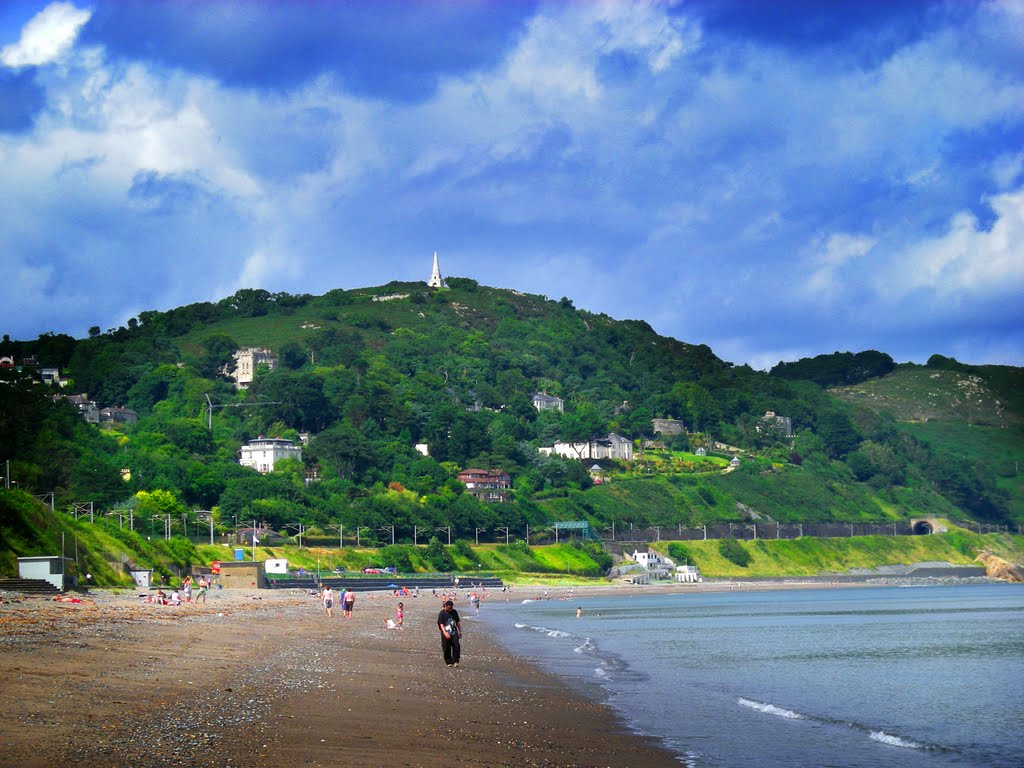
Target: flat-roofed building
x=263 y=453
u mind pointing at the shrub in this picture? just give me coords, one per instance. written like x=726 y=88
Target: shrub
x=462 y=549
x=678 y=552
x=398 y=556
x=734 y=552
x=439 y=557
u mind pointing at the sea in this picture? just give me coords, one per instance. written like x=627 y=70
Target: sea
x=909 y=676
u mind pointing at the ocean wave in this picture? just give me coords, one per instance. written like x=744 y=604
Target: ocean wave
x=771 y=709
x=894 y=741
x=543 y=630
x=585 y=647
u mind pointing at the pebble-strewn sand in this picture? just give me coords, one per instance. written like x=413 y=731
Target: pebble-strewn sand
x=272 y=682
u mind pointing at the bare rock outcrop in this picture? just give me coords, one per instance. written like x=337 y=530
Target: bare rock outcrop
x=998 y=568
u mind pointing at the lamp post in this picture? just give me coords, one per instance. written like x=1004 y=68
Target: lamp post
x=478 y=535
x=505 y=529
x=392 y=529
x=447 y=528
x=359 y=530
x=340 y=528
x=208 y=516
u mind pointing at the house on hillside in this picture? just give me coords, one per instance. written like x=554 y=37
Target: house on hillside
x=487 y=485
x=611 y=447
x=542 y=401
x=263 y=453
x=89 y=409
x=51 y=376
x=118 y=415
x=247 y=360
x=781 y=425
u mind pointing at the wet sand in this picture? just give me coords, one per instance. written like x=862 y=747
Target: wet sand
x=268 y=682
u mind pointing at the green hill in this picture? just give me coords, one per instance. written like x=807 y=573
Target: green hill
x=368 y=374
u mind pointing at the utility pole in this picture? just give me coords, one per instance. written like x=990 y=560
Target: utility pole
x=210 y=406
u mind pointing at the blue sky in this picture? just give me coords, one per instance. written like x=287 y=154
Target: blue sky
x=775 y=179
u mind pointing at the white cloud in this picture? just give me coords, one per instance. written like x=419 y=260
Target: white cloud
x=967 y=260
x=1007 y=169
x=46 y=37
x=831 y=256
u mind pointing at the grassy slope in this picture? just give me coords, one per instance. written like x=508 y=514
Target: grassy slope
x=915 y=393
x=809 y=557
x=975 y=416
x=30 y=529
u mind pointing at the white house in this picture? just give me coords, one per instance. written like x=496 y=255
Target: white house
x=612 y=447
x=262 y=453
x=652 y=561
x=542 y=401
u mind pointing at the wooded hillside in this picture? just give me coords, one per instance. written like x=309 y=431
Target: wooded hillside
x=370 y=373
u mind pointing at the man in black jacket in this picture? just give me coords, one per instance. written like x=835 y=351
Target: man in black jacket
x=451 y=632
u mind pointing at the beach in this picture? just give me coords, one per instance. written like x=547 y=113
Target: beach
x=263 y=678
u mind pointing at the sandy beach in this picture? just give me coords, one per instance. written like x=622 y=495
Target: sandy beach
x=263 y=678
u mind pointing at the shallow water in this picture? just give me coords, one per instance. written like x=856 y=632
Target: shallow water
x=916 y=676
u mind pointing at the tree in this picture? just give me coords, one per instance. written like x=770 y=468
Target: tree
x=218 y=355
x=838 y=433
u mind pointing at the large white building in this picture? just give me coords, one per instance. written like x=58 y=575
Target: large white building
x=262 y=453
x=612 y=447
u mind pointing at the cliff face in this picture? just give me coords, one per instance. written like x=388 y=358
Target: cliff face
x=997 y=568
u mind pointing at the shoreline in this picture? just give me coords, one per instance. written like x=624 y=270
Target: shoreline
x=264 y=679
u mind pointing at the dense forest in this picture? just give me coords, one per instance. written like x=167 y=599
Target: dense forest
x=369 y=373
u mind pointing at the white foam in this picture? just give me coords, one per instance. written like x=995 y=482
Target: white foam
x=771 y=709
x=894 y=741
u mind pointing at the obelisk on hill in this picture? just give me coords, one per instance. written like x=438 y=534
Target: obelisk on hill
x=435 y=280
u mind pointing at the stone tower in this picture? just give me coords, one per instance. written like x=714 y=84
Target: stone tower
x=435 y=280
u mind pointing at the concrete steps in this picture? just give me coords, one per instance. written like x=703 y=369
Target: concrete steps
x=29 y=587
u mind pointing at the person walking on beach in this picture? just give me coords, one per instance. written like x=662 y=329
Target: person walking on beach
x=204 y=585
x=451 y=633
x=327 y=598
x=350 y=601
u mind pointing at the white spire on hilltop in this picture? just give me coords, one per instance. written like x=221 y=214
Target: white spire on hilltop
x=435 y=280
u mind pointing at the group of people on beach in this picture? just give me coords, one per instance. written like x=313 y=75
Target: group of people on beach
x=346 y=600
x=177 y=597
x=449 y=624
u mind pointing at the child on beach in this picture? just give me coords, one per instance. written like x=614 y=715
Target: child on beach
x=399 y=615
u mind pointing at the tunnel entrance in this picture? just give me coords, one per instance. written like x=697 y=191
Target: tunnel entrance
x=922 y=528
